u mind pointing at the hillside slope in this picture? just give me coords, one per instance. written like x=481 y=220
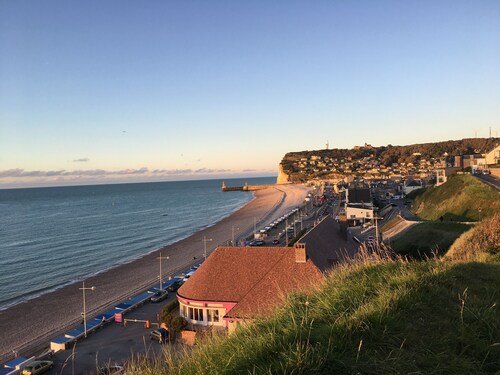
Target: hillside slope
x=461 y=198
x=372 y=317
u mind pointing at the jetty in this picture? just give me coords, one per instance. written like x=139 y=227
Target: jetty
x=245 y=187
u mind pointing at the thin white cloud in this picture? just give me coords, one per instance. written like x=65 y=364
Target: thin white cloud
x=21 y=173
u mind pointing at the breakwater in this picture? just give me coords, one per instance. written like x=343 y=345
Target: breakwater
x=245 y=187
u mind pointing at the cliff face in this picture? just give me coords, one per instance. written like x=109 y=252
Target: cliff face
x=283 y=178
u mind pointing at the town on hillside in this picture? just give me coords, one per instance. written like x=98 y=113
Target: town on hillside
x=415 y=162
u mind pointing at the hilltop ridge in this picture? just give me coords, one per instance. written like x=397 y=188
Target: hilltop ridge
x=377 y=162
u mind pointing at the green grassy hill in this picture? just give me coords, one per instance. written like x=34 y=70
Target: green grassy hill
x=461 y=198
x=428 y=239
x=372 y=317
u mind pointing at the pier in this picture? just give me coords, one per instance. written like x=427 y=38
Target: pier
x=245 y=187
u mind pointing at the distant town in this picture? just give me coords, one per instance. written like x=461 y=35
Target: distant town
x=417 y=162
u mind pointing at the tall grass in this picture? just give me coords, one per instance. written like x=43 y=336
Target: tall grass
x=379 y=314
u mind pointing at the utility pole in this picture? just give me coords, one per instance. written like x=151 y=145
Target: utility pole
x=161 y=279
x=232 y=243
x=205 y=240
x=83 y=289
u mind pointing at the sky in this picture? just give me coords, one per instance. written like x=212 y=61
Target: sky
x=105 y=91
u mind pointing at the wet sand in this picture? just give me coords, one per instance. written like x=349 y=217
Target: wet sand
x=30 y=325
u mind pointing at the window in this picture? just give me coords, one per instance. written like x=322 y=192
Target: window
x=184 y=311
x=213 y=315
x=195 y=314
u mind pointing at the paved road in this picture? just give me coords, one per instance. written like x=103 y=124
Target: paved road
x=490 y=180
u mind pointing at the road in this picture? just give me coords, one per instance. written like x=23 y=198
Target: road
x=489 y=179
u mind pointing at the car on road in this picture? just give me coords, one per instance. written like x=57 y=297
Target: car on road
x=37 y=367
x=160 y=335
x=174 y=286
x=159 y=296
x=276 y=242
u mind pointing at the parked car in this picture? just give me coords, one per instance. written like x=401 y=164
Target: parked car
x=276 y=242
x=159 y=296
x=110 y=370
x=174 y=286
x=160 y=335
x=187 y=276
x=37 y=367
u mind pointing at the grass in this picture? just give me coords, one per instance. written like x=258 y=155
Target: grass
x=428 y=238
x=483 y=239
x=379 y=315
x=461 y=198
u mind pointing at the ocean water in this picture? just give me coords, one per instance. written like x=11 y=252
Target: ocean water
x=50 y=237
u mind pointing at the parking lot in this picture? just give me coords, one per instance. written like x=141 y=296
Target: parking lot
x=112 y=344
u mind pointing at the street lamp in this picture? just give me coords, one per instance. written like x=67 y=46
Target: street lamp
x=205 y=240
x=161 y=280
x=83 y=289
x=232 y=243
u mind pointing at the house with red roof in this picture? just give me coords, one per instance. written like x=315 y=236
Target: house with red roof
x=237 y=284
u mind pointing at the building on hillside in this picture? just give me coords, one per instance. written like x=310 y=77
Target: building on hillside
x=358 y=193
x=359 y=205
x=411 y=185
x=238 y=284
x=442 y=174
x=359 y=214
x=493 y=157
x=475 y=161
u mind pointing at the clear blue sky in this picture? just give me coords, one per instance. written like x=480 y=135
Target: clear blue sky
x=138 y=90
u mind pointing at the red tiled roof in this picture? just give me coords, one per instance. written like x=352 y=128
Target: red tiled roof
x=256 y=278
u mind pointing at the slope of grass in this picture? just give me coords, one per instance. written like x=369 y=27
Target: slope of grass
x=483 y=239
x=371 y=317
x=428 y=238
x=461 y=198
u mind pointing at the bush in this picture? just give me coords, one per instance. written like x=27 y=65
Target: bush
x=168 y=312
x=178 y=323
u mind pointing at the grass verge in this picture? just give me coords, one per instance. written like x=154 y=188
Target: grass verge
x=429 y=238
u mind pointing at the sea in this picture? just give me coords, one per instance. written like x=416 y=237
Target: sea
x=54 y=236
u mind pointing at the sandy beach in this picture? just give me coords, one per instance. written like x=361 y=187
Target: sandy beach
x=30 y=325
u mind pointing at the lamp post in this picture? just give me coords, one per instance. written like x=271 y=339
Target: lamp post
x=161 y=280
x=83 y=289
x=205 y=240
x=232 y=243
x=286 y=232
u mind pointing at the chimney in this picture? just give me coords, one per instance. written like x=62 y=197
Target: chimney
x=300 y=253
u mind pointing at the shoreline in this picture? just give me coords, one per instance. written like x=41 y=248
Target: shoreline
x=117 y=265
x=30 y=325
